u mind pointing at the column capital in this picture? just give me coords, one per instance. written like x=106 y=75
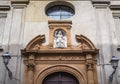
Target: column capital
x=89 y=66
x=19 y=3
x=4 y=7
x=116 y=15
x=30 y=66
x=100 y=3
x=3 y=15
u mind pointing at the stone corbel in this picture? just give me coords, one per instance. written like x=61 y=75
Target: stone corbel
x=100 y=3
x=19 y=3
x=30 y=66
x=30 y=62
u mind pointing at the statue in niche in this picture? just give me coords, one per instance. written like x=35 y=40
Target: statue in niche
x=60 y=39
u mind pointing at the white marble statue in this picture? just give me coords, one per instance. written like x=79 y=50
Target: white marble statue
x=59 y=39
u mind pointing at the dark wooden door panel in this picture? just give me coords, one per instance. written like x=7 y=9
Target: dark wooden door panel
x=60 y=78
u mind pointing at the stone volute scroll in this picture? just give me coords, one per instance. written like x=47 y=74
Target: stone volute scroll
x=84 y=43
x=36 y=43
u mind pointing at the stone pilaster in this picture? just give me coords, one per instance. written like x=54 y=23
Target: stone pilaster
x=4 y=10
x=30 y=79
x=30 y=69
x=89 y=60
x=17 y=26
x=115 y=8
x=116 y=15
x=2 y=22
x=90 y=74
x=104 y=42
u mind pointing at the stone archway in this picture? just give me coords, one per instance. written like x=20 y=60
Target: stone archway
x=41 y=61
x=60 y=78
x=60 y=68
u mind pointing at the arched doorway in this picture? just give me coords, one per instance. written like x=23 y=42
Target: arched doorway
x=60 y=78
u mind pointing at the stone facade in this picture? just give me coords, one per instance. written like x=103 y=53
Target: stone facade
x=23 y=20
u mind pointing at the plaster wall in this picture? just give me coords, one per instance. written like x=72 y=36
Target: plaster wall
x=22 y=24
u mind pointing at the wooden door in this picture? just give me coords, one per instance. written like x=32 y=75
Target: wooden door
x=60 y=78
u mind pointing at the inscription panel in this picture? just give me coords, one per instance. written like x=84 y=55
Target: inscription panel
x=60 y=57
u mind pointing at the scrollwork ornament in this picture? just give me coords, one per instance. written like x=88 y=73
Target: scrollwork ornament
x=30 y=66
x=89 y=66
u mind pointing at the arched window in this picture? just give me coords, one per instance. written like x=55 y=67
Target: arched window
x=60 y=78
x=60 y=11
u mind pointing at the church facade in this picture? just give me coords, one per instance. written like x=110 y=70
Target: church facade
x=59 y=41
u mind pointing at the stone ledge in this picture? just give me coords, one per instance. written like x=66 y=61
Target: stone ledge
x=100 y=3
x=115 y=7
x=4 y=7
x=19 y=1
x=118 y=48
x=115 y=14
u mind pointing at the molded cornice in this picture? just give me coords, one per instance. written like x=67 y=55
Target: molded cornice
x=101 y=3
x=115 y=7
x=19 y=3
x=4 y=7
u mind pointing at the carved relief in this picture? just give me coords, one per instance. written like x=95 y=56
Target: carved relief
x=60 y=34
x=30 y=66
x=60 y=39
x=66 y=57
x=36 y=47
x=60 y=51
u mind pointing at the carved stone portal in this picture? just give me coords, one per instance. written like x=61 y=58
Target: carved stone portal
x=40 y=61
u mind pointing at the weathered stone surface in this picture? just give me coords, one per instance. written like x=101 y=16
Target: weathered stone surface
x=23 y=20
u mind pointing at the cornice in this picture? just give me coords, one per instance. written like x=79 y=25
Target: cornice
x=19 y=3
x=100 y=3
x=115 y=7
x=116 y=15
x=4 y=7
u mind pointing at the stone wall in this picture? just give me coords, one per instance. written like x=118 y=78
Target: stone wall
x=22 y=20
